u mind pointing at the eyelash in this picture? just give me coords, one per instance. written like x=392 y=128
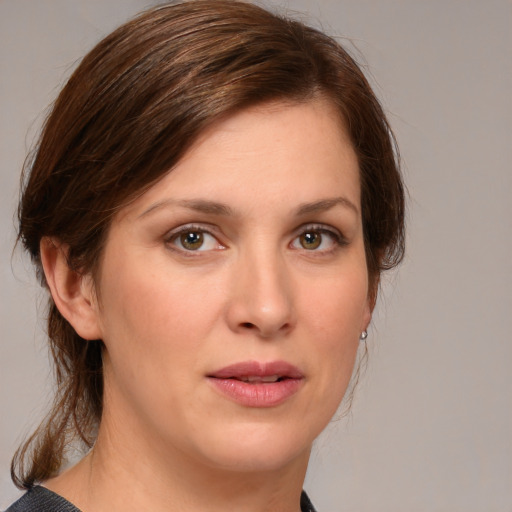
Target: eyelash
x=189 y=228
x=320 y=229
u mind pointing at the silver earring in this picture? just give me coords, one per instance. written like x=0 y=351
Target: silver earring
x=363 y=336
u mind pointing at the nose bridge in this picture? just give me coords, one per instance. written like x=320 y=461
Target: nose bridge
x=263 y=298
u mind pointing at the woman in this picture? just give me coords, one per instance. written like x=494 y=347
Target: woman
x=212 y=201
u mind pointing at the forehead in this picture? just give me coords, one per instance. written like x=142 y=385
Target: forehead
x=274 y=153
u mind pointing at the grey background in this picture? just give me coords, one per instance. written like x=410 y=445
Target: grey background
x=431 y=427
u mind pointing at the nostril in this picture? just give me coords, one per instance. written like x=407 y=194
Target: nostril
x=248 y=325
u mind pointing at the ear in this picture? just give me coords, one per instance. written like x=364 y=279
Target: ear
x=369 y=305
x=72 y=292
x=367 y=314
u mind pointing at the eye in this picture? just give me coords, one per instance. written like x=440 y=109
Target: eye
x=310 y=240
x=319 y=239
x=193 y=239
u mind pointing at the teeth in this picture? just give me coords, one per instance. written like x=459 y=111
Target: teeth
x=254 y=378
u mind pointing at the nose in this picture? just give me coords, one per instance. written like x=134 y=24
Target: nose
x=261 y=300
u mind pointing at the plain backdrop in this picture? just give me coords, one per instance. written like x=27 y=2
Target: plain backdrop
x=431 y=426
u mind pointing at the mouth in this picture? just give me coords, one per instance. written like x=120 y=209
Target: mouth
x=255 y=384
x=252 y=379
x=254 y=371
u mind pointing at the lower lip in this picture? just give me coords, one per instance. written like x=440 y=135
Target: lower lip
x=257 y=394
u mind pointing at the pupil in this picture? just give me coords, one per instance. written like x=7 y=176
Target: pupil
x=310 y=240
x=192 y=240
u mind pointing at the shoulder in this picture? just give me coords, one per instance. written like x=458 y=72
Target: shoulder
x=40 y=499
x=305 y=503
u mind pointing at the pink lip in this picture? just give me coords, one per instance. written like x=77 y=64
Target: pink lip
x=257 y=393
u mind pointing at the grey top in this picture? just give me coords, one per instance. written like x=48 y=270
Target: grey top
x=40 y=499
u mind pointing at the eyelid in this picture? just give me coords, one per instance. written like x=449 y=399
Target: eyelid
x=338 y=237
x=207 y=229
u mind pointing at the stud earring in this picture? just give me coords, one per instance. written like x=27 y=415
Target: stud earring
x=363 y=336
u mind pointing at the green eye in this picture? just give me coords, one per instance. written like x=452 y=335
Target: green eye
x=192 y=240
x=318 y=238
x=310 y=240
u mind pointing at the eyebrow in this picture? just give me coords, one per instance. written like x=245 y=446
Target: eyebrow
x=198 y=205
x=216 y=208
x=326 y=204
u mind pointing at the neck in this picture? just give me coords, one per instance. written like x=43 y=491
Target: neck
x=132 y=474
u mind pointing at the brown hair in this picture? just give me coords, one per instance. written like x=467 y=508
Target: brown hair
x=127 y=115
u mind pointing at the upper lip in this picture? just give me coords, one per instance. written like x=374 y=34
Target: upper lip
x=244 y=369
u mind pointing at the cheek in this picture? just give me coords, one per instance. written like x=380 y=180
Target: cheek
x=142 y=295
x=337 y=305
x=149 y=325
x=155 y=320
x=336 y=309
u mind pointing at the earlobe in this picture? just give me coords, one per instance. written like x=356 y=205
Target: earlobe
x=367 y=315
x=72 y=292
x=369 y=306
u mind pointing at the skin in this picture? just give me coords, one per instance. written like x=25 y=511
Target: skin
x=256 y=289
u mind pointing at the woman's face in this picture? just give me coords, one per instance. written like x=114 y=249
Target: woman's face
x=233 y=293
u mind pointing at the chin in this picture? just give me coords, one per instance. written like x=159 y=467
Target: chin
x=257 y=448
